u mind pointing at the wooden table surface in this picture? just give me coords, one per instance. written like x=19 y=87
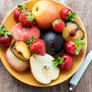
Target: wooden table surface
x=10 y=84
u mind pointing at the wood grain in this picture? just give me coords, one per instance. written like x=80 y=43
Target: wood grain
x=10 y=84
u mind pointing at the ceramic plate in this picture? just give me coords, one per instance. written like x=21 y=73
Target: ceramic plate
x=26 y=77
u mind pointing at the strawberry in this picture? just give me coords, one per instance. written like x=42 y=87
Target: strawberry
x=37 y=46
x=5 y=37
x=26 y=19
x=64 y=62
x=58 y=25
x=74 y=48
x=18 y=11
x=67 y=14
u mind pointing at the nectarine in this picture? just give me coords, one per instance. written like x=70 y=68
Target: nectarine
x=23 y=34
x=45 y=12
x=16 y=63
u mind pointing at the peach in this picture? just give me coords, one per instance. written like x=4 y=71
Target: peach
x=45 y=12
x=16 y=63
x=23 y=34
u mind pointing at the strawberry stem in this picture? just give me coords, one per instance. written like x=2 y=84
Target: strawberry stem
x=22 y=7
x=58 y=61
x=30 y=41
x=55 y=22
x=70 y=16
x=4 y=32
x=30 y=16
x=79 y=44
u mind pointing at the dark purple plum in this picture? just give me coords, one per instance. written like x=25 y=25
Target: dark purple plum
x=54 y=42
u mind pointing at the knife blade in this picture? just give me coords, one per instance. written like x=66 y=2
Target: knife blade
x=77 y=76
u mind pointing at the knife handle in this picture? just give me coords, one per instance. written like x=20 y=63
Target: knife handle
x=77 y=76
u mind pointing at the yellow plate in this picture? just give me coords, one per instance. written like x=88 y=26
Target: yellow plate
x=26 y=77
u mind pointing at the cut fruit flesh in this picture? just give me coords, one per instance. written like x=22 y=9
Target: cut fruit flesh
x=17 y=64
x=21 y=50
x=43 y=68
x=68 y=29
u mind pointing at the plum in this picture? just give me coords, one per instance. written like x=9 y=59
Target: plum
x=69 y=22
x=54 y=42
x=72 y=31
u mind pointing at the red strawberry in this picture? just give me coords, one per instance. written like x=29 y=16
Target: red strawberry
x=74 y=48
x=67 y=14
x=58 y=25
x=64 y=62
x=37 y=46
x=5 y=37
x=26 y=19
x=18 y=11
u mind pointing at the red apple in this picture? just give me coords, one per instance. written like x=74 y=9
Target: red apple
x=23 y=34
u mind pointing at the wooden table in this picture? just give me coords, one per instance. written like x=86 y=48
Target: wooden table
x=10 y=84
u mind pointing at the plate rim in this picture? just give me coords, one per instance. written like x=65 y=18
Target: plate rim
x=43 y=84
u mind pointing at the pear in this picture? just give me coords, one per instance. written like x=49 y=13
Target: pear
x=43 y=68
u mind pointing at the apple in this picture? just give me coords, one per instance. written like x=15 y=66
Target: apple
x=16 y=63
x=23 y=34
x=45 y=12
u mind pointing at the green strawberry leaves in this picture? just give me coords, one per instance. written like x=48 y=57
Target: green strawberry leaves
x=30 y=41
x=7 y=33
x=79 y=44
x=30 y=16
x=22 y=7
x=2 y=29
x=70 y=16
x=58 y=61
x=55 y=22
x=4 y=32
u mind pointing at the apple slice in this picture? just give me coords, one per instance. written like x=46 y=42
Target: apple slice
x=21 y=50
x=43 y=68
x=17 y=64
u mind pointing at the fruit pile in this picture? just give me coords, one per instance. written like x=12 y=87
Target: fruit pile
x=39 y=36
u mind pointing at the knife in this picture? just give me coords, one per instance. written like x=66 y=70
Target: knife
x=77 y=76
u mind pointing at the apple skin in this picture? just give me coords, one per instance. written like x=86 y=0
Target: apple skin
x=45 y=13
x=17 y=64
x=23 y=34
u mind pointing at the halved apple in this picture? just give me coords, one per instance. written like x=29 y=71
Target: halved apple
x=21 y=50
x=43 y=68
